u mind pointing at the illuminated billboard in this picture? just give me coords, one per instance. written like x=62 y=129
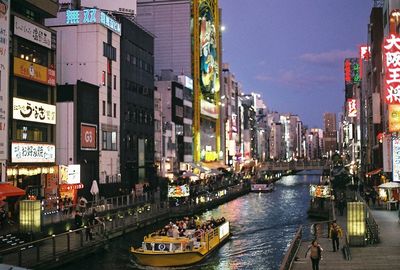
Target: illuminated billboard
x=394 y=117
x=209 y=53
x=178 y=191
x=365 y=54
x=351 y=107
x=318 y=191
x=396 y=159
x=391 y=64
x=351 y=71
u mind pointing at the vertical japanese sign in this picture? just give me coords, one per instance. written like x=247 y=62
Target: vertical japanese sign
x=351 y=71
x=391 y=63
x=365 y=54
x=4 y=69
x=396 y=159
x=387 y=153
x=351 y=107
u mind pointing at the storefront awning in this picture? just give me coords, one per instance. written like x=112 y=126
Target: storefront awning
x=374 y=172
x=7 y=190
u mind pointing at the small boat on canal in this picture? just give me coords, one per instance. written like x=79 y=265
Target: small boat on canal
x=268 y=187
x=167 y=251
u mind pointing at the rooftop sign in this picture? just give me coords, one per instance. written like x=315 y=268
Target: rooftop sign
x=92 y=16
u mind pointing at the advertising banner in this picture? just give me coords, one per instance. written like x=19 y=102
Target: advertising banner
x=387 y=153
x=396 y=159
x=32 y=32
x=28 y=110
x=74 y=174
x=178 y=191
x=32 y=153
x=318 y=191
x=209 y=109
x=351 y=71
x=394 y=117
x=34 y=72
x=4 y=78
x=88 y=137
x=351 y=107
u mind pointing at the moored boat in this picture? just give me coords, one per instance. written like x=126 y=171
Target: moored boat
x=166 y=251
x=262 y=187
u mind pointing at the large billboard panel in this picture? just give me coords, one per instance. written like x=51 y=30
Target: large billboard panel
x=34 y=72
x=28 y=110
x=88 y=136
x=4 y=77
x=351 y=107
x=32 y=153
x=351 y=71
x=394 y=117
x=32 y=32
x=209 y=51
x=391 y=66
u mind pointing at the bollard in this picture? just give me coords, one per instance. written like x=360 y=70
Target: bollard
x=68 y=242
x=54 y=245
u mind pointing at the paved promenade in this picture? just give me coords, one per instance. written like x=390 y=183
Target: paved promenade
x=385 y=255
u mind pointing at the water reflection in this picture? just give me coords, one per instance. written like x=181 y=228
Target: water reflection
x=262 y=226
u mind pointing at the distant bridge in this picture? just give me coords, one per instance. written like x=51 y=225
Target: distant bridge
x=294 y=165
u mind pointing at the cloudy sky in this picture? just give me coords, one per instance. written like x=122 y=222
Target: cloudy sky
x=292 y=51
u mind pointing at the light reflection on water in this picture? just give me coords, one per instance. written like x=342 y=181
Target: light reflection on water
x=262 y=226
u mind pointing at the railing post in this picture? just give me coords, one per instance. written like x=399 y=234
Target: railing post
x=54 y=245
x=68 y=242
x=37 y=253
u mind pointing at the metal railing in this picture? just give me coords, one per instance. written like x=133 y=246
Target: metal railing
x=372 y=228
x=292 y=250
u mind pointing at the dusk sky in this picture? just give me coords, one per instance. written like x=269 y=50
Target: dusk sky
x=292 y=51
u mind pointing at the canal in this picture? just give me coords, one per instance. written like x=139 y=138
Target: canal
x=262 y=226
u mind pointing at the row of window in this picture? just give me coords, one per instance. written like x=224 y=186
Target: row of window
x=138 y=88
x=109 y=109
x=139 y=116
x=140 y=63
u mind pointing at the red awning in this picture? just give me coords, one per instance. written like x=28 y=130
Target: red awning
x=374 y=172
x=7 y=190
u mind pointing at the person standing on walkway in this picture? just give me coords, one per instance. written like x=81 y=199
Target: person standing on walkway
x=315 y=251
x=334 y=233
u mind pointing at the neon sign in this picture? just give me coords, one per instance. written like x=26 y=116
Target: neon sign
x=92 y=16
x=351 y=107
x=365 y=55
x=391 y=60
x=351 y=71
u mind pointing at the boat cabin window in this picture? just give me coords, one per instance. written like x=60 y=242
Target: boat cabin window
x=161 y=247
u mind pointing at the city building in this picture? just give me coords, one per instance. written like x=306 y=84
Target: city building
x=93 y=56
x=176 y=118
x=230 y=93
x=136 y=137
x=330 y=134
x=314 y=142
x=28 y=106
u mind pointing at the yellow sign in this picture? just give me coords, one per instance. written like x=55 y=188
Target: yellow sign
x=34 y=72
x=394 y=117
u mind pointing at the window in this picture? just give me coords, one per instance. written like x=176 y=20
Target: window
x=31 y=132
x=109 y=140
x=31 y=90
x=115 y=82
x=178 y=111
x=187 y=130
x=104 y=107
x=33 y=53
x=178 y=93
x=103 y=78
x=115 y=110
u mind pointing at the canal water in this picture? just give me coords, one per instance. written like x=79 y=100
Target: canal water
x=262 y=226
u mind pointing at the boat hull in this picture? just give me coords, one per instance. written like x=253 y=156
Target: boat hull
x=174 y=259
x=262 y=188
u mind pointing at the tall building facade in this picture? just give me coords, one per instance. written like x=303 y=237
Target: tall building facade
x=28 y=101
x=330 y=134
x=93 y=56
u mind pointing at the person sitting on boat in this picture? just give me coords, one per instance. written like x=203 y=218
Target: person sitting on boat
x=169 y=231
x=175 y=232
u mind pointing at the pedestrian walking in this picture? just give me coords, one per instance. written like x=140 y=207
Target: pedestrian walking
x=341 y=206
x=334 y=233
x=314 y=251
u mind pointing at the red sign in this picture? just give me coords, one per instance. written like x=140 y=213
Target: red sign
x=66 y=187
x=391 y=63
x=88 y=137
x=347 y=71
x=351 y=107
x=365 y=54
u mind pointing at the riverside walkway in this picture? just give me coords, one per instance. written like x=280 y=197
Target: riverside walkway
x=384 y=255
